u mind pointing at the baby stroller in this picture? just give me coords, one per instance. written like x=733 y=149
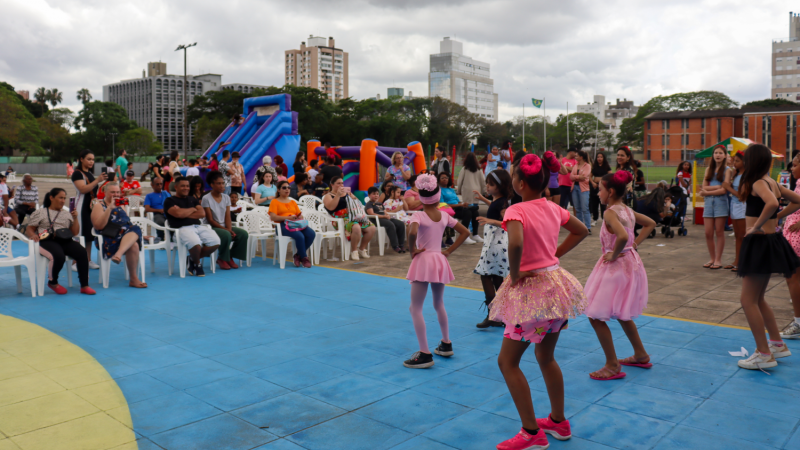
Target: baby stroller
x=680 y=200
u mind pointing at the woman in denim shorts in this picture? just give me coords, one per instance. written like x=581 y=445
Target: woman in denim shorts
x=736 y=207
x=716 y=211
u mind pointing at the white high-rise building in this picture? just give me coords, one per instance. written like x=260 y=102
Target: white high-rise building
x=611 y=115
x=462 y=80
x=785 y=63
x=155 y=101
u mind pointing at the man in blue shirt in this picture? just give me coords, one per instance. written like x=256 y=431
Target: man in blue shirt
x=154 y=203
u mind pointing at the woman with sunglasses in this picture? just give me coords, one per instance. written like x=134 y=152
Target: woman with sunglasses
x=283 y=208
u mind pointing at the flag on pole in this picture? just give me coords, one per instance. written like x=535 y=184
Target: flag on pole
x=537 y=103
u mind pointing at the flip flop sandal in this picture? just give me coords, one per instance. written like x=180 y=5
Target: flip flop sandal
x=634 y=363
x=715 y=267
x=616 y=376
x=735 y=269
x=729 y=267
x=707 y=265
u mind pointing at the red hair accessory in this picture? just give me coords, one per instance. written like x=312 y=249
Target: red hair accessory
x=622 y=177
x=530 y=165
x=551 y=161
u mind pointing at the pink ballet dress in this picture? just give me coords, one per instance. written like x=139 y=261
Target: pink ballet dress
x=793 y=236
x=431 y=265
x=618 y=289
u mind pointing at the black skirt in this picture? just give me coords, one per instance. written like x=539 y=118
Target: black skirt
x=763 y=254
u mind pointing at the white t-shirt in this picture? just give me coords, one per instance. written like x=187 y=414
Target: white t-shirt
x=312 y=174
x=192 y=172
x=3 y=191
x=253 y=188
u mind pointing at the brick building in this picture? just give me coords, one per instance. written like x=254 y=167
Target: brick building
x=679 y=135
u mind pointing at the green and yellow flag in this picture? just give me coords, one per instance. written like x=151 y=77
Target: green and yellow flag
x=537 y=103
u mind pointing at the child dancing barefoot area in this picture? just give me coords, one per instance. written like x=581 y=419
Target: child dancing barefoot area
x=617 y=286
x=429 y=265
x=537 y=299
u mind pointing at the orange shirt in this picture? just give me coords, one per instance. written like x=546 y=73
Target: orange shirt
x=279 y=208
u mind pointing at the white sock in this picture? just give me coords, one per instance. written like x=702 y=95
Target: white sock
x=797 y=320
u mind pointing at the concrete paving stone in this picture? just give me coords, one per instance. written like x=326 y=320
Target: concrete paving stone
x=705 y=315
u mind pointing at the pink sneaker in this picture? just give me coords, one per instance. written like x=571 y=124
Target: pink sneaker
x=525 y=441
x=560 y=431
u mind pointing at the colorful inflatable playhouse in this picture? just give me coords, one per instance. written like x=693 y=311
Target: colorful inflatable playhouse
x=269 y=128
x=360 y=164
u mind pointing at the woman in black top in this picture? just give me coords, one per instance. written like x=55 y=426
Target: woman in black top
x=196 y=188
x=86 y=187
x=600 y=168
x=493 y=264
x=639 y=185
x=299 y=164
x=626 y=162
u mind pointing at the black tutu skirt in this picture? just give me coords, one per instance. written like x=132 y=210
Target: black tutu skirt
x=763 y=254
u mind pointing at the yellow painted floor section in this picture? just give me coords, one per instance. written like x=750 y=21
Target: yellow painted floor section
x=55 y=396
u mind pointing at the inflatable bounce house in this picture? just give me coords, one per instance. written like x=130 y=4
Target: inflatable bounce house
x=269 y=128
x=360 y=164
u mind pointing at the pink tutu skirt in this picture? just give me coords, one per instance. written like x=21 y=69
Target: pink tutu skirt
x=551 y=293
x=617 y=290
x=430 y=266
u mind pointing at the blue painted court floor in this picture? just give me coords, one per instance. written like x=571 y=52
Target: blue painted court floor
x=312 y=359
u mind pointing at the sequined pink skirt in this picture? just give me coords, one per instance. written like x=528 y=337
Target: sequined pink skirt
x=551 y=293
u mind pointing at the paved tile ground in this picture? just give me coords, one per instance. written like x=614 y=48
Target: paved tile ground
x=311 y=359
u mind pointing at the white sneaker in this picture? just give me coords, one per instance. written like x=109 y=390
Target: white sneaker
x=477 y=238
x=363 y=254
x=93 y=265
x=792 y=331
x=354 y=255
x=469 y=241
x=780 y=352
x=757 y=361
x=74 y=267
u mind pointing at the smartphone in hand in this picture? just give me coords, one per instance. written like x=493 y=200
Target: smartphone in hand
x=71 y=204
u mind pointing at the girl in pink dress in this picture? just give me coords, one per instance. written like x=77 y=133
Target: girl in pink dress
x=617 y=286
x=537 y=299
x=791 y=230
x=429 y=265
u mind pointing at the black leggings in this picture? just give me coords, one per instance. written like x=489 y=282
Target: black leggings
x=57 y=251
x=594 y=203
x=491 y=283
x=467 y=215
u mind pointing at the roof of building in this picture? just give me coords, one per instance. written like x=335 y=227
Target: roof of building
x=734 y=112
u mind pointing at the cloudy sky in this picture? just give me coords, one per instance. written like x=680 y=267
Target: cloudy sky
x=566 y=50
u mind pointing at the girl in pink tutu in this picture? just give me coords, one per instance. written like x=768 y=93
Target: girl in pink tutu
x=536 y=300
x=617 y=286
x=429 y=265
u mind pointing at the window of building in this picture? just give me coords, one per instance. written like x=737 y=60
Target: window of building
x=703 y=123
x=663 y=139
x=702 y=140
x=648 y=124
x=648 y=139
x=719 y=130
x=667 y=139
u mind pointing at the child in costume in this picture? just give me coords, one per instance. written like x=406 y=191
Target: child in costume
x=537 y=299
x=429 y=266
x=617 y=286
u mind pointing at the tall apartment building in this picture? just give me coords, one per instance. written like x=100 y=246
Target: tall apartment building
x=462 y=80
x=319 y=65
x=155 y=101
x=24 y=94
x=786 y=63
x=611 y=115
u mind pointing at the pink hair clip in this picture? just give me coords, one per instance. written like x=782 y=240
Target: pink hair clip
x=530 y=165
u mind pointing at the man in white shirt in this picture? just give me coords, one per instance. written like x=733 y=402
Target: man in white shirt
x=193 y=170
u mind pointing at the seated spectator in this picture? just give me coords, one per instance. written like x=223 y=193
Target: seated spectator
x=120 y=236
x=468 y=214
x=266 y=191
x=196 y=188
x=387 y=184
x=312 y=170
x=330 y=171
x=318 y=187
x=42 y=226
x=184 y=213
x=131 y=186
x=6 y=211
x=9 y=171
x=411 y=196
x=27 y=196
x=342 y=204
x=394 y=204
x=298 y=187
x=235 y=208
x=217 y=207
x=281 y=177
x=266 y=167
x=284 y=209
x=154 y=203
x=395 y=229
x=193 y=170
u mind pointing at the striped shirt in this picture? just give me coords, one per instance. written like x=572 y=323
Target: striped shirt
x=23 y=195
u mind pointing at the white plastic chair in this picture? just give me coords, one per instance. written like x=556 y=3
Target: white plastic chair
x=338 y=229
x=11 y=176
x=151 y=246
x=246 y=206
x=309 y=202
x=181 y=250
x=7 y=258
x=135 y=204
x=318 y=222
x=281 y=245
x=381 y=234
x=258 y=229
x=105 y=264
x=42 y=262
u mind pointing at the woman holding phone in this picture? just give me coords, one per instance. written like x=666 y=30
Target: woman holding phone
x=86 y=187
x=342 y=204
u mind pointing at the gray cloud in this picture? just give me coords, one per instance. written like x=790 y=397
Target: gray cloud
x=564 y=51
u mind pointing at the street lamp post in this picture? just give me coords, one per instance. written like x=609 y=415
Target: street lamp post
x=185 y=88
x=113 y=147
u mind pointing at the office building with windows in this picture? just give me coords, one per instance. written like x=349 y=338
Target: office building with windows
x=462 y=80
x=155 y=101
x=319 y=65
x=785 y=63
x=611 y=115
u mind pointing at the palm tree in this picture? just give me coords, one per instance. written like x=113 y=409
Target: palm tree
x=84 y=95
x=41 y=96
x=55 y=97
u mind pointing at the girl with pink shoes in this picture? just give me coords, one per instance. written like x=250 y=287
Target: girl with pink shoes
x=617 y=286
x=537 y=299
x=429 y=266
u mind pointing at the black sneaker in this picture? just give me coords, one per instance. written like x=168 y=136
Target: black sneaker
x=489 y=323
x=444 y=349
x=189 y=266
x=448 y=242
x=198 y=270
x=419 y=360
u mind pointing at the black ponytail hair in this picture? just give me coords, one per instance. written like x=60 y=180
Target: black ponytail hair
x=53 y=192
